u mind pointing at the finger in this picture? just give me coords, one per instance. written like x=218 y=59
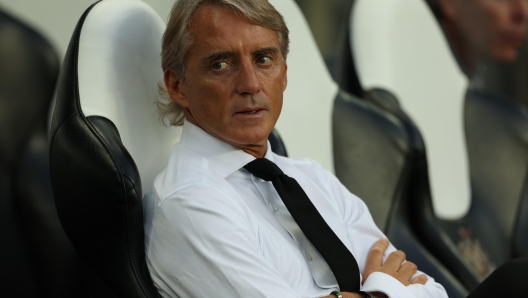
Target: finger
x=420 y=279
x=394 y=261
x=375 y=256
x=407 y=270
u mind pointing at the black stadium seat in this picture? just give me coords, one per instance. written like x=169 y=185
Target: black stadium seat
x=497 y=221
x=389 y=167
x=377 y=154
x=36 y=258
x=106 y=95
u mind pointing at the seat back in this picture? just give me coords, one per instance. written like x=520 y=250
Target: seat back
x=399 y=46
x=35 y=255
x=407 y=54
x=497 y=136
x=494 y=229
x=107 y=141
x=379 y=151
x=377 y=155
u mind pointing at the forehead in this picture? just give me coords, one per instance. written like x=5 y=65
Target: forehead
x=221 y=26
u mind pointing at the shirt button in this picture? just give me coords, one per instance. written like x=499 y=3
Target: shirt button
x=309 y=257
x=274 y=207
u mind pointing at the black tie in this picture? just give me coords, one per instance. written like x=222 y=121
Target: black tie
x=314 y=227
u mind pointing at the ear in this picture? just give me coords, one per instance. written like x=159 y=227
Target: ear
x=175 y=87
x=448 y=8
x=285 y=79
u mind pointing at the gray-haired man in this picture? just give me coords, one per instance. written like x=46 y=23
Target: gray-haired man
x=213 y=228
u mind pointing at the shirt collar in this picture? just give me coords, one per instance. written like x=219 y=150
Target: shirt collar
x=224 y=157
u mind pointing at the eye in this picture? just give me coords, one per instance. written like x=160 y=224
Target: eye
x=264 y=60
x=219 y=66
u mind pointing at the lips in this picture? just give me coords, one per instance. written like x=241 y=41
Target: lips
x=249 y=111
x=514 y=39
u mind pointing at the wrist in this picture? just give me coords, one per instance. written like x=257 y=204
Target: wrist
x=365 y=294
x=378 y=295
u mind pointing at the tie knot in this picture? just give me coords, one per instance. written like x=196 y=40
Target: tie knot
x=264 y=169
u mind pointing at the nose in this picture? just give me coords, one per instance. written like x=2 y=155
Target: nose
x=520 y=11
x=247 y=80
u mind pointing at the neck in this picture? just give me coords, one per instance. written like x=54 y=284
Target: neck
x=256 y=150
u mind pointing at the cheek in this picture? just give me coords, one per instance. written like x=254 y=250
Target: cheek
x=276 y=80
x=278 y=108
x=211 y=108
x=498 y=17
x=277 y=100
x=211 y=98
x=275 y=91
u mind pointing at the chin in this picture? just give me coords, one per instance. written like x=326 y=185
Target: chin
x=505 y=55
x=250 y=138
x=256 y=133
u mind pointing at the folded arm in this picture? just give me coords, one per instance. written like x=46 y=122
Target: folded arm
x=383 y=269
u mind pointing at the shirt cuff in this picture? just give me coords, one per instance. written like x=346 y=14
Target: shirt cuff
x=390 y=286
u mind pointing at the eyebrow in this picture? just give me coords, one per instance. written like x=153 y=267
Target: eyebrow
x=227 y=54
x=218 y=56
x=265 y=51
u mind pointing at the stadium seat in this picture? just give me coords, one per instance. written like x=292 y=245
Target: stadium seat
x=475 y=141
x=37 y=259
x=107 y=143
x=379 y=151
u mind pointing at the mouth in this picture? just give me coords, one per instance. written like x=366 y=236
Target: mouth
x=250 y=111
x=514 y=39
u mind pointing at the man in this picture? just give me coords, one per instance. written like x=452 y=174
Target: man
x=481 y=30
x=488 y=38
x=215 y=229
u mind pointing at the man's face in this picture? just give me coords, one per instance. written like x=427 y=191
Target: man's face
x=492 y=28
x=234 y=80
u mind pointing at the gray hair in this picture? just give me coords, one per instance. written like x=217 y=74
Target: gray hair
x=177 y=40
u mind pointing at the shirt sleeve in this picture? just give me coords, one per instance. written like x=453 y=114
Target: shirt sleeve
x=203 y=245
x=363 y=233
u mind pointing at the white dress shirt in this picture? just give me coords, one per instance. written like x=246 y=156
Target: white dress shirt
x=212 y=229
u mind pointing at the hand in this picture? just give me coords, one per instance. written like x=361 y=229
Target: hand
x=393 y=266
